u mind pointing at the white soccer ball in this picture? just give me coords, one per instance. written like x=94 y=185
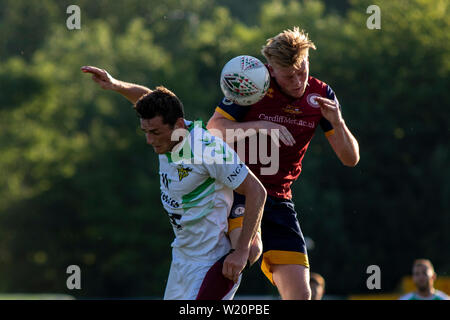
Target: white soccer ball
x=244 y=80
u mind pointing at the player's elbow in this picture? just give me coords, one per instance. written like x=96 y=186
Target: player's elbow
x=351 y=161
x=215 y=122
x=255 y=191
x=259 y=193
x=216 y=128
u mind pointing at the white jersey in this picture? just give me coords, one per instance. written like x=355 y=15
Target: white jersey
x=437 y=295
x=197 y=179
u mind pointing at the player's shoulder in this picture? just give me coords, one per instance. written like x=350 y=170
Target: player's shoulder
x=316 y=82
x=208 y=148
x=317 y=86
x=408 y=296
x=322 y=88
x=441 y=295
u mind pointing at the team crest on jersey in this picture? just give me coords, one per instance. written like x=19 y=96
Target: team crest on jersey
x=227 y=102
x=238 y=211
x=270 y=93
x=183 y=172
x=165 y=180
x=311 y=98
x=292 y=110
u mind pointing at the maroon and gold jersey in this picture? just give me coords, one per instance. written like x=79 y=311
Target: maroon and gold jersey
x=300 y=116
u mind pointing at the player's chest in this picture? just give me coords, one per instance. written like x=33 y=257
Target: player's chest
x=179 y=179
x=299 y=116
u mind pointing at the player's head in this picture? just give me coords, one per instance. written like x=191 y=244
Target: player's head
x=160 y=112
x=423 y=274
x=287 y=55
x=317 y=284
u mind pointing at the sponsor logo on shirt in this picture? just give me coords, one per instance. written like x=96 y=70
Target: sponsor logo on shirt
x=165 y=198
x=238 y=211
x=311 y=99
x=183 y=172
x=175 y=219
x=165 y=180
x=227 y=102
x=283 y=119
x=270 y=92
x=235 y=173
x=292 y=109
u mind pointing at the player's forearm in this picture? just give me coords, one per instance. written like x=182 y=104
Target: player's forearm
x=254 y=205
x=347 y=148
x=131 y=91
x=231 y=131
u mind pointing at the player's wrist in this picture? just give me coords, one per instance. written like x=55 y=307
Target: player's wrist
x=340 y=123
x=117 y=86
x=243 y=248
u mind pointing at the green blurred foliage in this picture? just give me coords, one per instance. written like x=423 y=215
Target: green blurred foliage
x=78 y=185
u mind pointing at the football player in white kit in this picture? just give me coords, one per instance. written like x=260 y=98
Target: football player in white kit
x=198 y=173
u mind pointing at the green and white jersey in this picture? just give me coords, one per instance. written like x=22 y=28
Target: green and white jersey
x=197 y=182
x=438 y=295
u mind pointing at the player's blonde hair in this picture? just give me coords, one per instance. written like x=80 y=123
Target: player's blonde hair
x=288 y=48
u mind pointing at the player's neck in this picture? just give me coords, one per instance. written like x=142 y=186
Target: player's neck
x=177 y=144
x=426 y=293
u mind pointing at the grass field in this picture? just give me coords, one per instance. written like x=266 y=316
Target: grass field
x=24 y=296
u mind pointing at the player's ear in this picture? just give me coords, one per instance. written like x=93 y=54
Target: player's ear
x=179 y=124
x=434 y=276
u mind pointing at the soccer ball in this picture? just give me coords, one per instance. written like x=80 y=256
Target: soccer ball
x=244 y=80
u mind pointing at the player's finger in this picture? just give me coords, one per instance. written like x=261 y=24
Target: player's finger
x=283 y=139
x=275 y=136
x=226 y=271
x=236 y=273
x=236 y=277
x=97 y=79
x=288 y=136
x=328 y=106
x=91 y=69
x=322 y=100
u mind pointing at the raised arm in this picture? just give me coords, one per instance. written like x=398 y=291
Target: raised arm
x=129 y=90
x=255 y=196
x=342 y=141
x=240 y=130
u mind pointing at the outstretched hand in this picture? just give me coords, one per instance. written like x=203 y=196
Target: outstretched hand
x=102 y=77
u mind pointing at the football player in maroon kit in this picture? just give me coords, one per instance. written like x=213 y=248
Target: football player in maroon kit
x=294 y=106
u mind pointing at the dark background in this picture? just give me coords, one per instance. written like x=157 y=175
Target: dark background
x=79 y=185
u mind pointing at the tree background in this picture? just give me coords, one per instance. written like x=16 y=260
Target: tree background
x=78 y=184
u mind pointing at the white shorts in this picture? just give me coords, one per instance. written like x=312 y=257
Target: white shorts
x=191 y=280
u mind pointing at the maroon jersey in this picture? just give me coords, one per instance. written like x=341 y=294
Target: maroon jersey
x=300 y=116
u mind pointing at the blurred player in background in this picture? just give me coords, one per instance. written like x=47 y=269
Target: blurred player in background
x=423 y=276
x=196 y=192
x=317 y=284
x=295 y=105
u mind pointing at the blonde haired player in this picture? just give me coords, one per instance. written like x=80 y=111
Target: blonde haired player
x=294 y=106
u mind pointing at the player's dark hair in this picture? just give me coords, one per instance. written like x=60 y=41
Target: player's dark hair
x=160 y=102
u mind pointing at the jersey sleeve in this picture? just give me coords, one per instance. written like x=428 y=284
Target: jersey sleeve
x=223 y=163
x=232 y=111
x=324 y=123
